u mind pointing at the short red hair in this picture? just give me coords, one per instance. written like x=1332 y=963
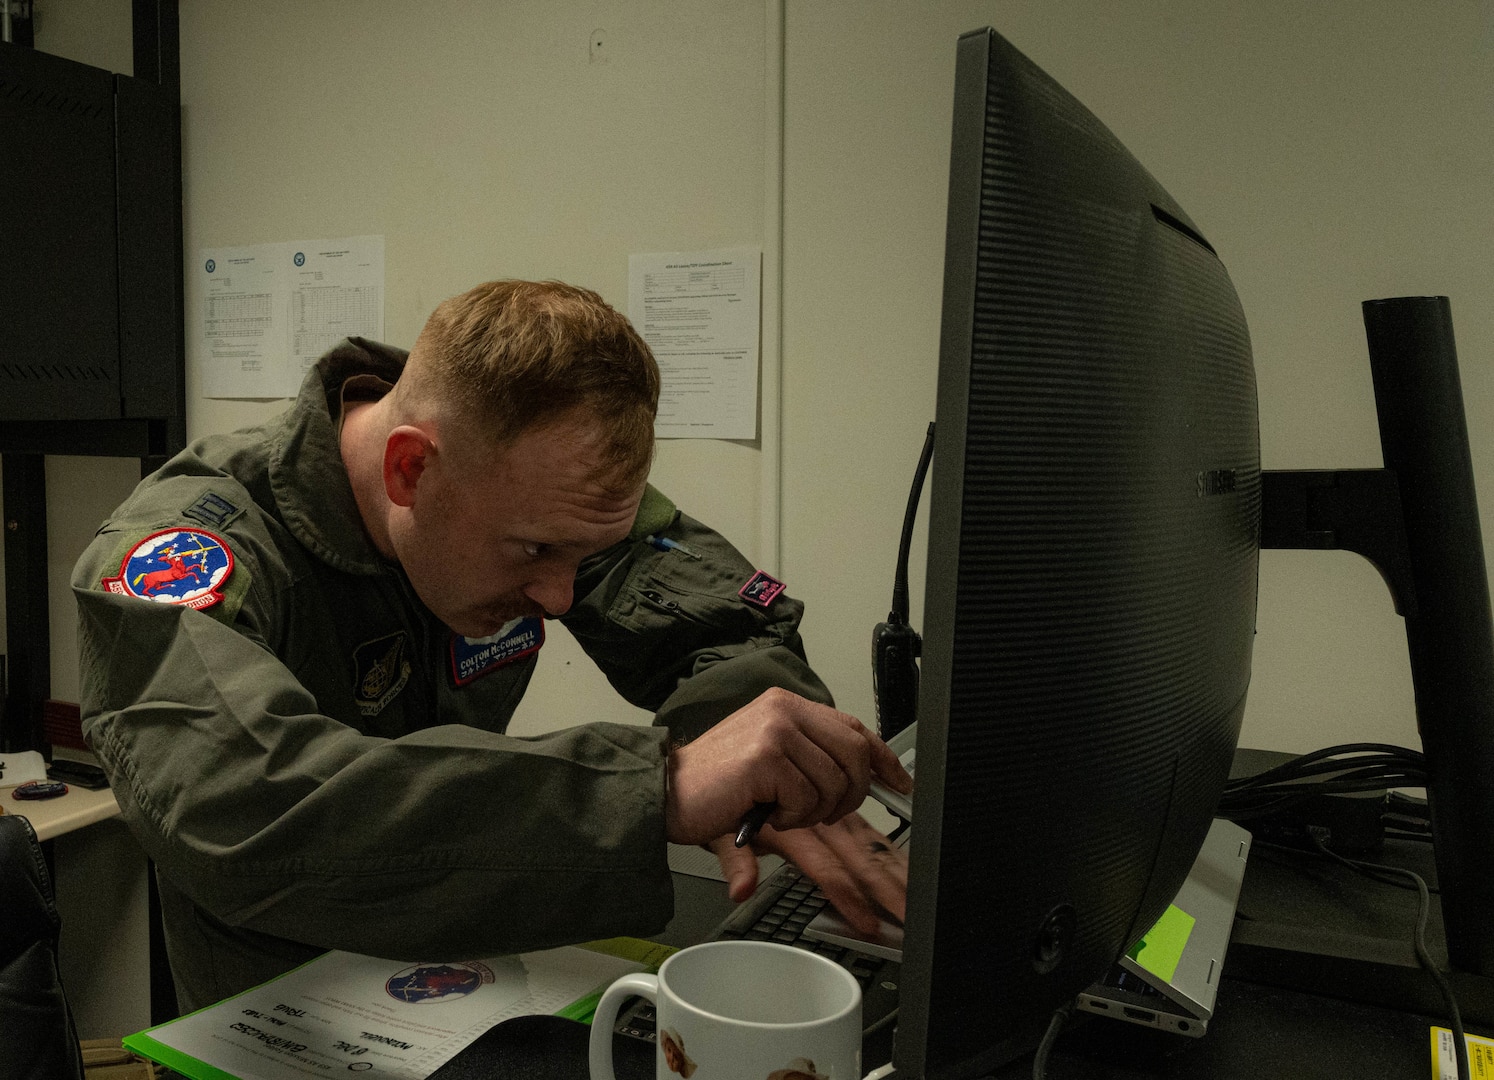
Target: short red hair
x=508 y=356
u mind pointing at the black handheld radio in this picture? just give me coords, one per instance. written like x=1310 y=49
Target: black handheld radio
x=896 y=646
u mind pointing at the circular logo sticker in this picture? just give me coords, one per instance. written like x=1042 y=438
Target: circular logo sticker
x=177 y=566
x=427 y=984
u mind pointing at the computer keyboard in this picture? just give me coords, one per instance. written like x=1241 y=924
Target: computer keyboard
x=779 y=911
x=789 y=904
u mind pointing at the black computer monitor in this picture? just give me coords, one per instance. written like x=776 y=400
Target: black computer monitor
x=1093 y=546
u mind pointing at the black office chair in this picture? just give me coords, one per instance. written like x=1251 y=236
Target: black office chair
x=37 y=1034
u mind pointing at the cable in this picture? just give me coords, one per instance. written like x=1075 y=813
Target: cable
x=879 y=1024
x=1045 y=1048
x=1358 y=767
x=1287 y=849
x=900 y=573
x=1419 y=939
x=1376 y=755
x=1409 y=805
x=1351 y=768
x=896 y=646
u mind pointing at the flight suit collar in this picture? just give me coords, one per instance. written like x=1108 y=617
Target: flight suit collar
x=306 y=472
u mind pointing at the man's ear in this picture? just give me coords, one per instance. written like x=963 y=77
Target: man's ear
x=407 y=453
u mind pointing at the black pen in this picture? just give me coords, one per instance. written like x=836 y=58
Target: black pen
x=754 y=820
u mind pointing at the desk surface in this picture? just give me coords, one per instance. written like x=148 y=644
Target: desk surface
x=53 y=817
x=1260 y=1032
x=1257 y=1031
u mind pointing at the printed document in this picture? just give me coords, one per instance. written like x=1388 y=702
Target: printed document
x=700 y=312
x=343 y=1012
x=269 y=311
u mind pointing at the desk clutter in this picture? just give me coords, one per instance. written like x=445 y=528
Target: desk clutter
x=25 y=767
x=106 y=1059
x=27 y=776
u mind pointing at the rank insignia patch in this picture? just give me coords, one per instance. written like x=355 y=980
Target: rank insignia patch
x=176 y=566
x=212 y=510
x=474 y=657
x=380 y=671
x=761 y=589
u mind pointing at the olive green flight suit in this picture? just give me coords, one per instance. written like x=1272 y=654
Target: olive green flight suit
x=314 y=761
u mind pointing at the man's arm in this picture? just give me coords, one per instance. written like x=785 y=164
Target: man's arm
x=678 y=626
x=667 y=621
x=811 y=764
x=276 y=817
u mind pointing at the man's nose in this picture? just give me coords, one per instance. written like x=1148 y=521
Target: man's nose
x=553 y=592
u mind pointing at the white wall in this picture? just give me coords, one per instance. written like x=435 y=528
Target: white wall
x=1332 y=153
x=485 y=141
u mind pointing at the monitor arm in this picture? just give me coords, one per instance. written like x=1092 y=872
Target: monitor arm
x=1417 y=521
x=1356 y=510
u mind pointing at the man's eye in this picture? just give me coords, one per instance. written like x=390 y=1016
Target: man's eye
x=534 y=550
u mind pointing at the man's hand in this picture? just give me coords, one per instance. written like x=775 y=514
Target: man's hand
x=856 y=867
x=812 y=762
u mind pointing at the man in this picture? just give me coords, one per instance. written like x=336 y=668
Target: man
x=306 y=733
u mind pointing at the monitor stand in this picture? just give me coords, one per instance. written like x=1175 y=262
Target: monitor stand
x=1307 y=923
x=1417 y=521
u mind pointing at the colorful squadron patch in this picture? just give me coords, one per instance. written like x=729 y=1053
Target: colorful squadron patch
x=431 y=984
x=761 y=589
x=177 y=566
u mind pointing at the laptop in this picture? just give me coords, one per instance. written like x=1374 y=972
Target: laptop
x=1169 y=981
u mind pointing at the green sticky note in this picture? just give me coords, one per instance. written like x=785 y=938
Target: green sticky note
x=1162 y=947
x=649 y=953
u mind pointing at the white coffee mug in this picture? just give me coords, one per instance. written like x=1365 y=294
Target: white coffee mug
x=742 y=1010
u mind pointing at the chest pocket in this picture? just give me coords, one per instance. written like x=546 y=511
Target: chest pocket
x=691 y=599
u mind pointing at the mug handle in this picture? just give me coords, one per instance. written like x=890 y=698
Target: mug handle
x=646 y=986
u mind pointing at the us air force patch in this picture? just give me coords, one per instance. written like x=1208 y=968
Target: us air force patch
x=176 y=566
x=474 y=657
x=380 y=670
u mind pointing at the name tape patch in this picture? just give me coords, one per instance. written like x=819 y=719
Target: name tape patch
x=472 y=658
x=175 y=566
